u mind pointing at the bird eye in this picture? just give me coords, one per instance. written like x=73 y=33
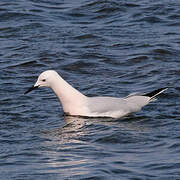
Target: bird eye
x=43 y=80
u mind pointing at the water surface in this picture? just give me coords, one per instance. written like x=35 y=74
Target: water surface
x=109 y=48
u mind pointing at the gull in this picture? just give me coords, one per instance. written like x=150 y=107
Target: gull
x=74 y=103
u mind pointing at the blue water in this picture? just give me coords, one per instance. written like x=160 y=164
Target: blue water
x=109 y=48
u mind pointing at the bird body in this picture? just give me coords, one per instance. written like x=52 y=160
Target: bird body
x=76 y=104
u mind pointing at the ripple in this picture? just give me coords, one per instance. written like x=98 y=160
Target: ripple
x=78 y=66
x=103 y=47
x=137 y=59
x=151 y=19
x=86 y=36
x=15 y=16
x=162 y=51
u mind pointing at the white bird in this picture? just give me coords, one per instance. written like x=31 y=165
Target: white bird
x=74 y=103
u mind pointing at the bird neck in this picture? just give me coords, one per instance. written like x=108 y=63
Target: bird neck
x=67 y=95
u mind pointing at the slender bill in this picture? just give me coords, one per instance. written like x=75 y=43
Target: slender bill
x=30 y=89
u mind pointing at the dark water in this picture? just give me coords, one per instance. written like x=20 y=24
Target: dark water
x=103 y=47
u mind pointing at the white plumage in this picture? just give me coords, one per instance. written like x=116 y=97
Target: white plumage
x=76 y=104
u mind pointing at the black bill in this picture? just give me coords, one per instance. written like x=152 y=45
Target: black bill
x=30 y=89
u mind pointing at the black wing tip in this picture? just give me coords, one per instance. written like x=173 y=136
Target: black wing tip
x=156 y=92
